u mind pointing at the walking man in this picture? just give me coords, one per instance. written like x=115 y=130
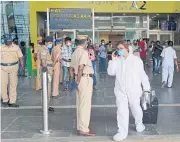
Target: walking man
x=10 y=55
x=66 y=60
x=82 y=72
x=156 y=53
x=103 y=56
x=168 y=59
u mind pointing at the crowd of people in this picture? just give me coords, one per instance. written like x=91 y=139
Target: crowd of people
x=76 y=69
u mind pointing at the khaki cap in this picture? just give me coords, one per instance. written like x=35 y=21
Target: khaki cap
x=39 y=38
x=80 y=37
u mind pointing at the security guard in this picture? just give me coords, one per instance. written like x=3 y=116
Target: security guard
x=10 y=55
x=56 y=57
x=45 y=57
x=36 y=58
x=82 y=71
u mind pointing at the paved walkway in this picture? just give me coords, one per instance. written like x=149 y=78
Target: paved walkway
x=23 y=124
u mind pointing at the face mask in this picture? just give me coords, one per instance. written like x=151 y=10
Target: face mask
x=121 y=52
x=49 y=46
x=40 y=43
x=103 y=43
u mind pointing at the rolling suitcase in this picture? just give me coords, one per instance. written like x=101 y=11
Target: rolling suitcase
x=151 y=113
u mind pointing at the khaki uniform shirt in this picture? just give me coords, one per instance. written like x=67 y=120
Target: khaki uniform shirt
x=80 y=57
x=36 y=50
x=44 y=54
x=55 y=52
x=10 y=54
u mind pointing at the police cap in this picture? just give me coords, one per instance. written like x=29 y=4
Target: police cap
x=48 y=39
x=39 y=38
x=59 y=40
x=8 y=41
x=82 y=37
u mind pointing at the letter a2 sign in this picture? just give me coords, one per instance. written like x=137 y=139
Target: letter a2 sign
x=135 y=5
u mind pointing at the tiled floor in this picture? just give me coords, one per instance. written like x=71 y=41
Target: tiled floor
x=25 y=123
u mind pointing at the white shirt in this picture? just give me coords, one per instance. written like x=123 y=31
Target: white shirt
x=168 y=54
x=130 y=49
x=130 y=75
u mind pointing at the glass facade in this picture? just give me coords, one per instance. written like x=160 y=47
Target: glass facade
x=128 y=25
x=20 y=11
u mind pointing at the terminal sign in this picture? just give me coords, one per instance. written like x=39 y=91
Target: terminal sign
x=70 y=18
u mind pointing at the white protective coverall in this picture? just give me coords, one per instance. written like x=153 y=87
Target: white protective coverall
x=168 y=54
x=130 y=75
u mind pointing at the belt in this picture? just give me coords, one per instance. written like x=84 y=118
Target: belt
x=87 y=75
x=9 y=64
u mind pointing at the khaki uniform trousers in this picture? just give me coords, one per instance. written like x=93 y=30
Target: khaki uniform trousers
x=38 y=78
x=61 y=74
x=49 y=85
x=56 y=79
x=83 y=103
x=9 y=77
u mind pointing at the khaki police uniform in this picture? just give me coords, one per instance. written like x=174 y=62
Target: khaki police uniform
x=56 y=74
x=38 y=78
x=45 y=55
x=9 y=70
x=85 y=87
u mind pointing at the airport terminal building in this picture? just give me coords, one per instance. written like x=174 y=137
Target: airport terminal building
x=111 y=20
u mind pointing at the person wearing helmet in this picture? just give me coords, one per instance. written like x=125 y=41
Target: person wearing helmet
x=10 y=56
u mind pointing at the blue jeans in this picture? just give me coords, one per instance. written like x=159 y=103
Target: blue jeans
x=65 y=76
x=157 y=63
x=102 y=65
x=94 y=75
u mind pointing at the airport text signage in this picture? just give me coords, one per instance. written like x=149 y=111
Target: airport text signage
x=70 y=18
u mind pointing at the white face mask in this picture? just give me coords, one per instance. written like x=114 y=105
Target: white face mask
x=103 y=43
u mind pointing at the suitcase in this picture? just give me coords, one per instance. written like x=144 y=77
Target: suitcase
x=150 y=115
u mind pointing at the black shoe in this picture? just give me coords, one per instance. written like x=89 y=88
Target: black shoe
x=5 y=104
x=56 y=97
x=51 y=109
x=13 y=105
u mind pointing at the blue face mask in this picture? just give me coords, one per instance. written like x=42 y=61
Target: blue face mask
x=49 y=46
x=121 y=52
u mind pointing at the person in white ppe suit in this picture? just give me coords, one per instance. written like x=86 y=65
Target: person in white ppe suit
x=169 y=58
x=130 y=75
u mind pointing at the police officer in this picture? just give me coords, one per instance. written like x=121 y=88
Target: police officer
x=56 y=57
x=36 y=58
x=45 y=57
x=82 y=71
x=10 y=55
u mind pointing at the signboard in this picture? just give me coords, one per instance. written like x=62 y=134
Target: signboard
x=10 y=17
x=70 y=18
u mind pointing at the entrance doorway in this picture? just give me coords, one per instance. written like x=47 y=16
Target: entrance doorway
x=114 y=37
